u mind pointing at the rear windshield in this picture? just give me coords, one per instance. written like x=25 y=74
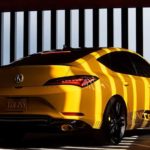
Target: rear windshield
x=52 y=58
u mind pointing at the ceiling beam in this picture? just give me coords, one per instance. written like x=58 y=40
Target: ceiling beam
x=22 y=5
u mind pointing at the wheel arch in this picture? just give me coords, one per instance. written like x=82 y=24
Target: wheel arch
x=112 y=99
x=107 y=121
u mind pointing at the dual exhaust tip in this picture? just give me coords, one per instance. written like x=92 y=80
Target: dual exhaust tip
x=66 y=127
x=72 y=126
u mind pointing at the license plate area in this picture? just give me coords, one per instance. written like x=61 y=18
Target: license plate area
x=17 y=105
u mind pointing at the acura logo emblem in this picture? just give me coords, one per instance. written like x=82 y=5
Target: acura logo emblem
x=19 y=78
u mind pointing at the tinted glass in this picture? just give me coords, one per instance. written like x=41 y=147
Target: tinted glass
x=53 y=57
x=119 y=62
x=142 y=67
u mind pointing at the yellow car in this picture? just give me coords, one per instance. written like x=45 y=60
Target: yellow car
x=76 y=89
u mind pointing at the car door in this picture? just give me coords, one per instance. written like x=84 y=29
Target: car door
x=121 y=66
x=143 y=80
x=132 y=84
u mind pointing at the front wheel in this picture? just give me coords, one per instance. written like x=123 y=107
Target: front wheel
x=114 y=121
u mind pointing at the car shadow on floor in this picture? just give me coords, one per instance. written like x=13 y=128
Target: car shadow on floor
x=45 y=140
x=56 y=141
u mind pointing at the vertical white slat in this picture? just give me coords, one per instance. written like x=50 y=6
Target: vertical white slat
x=146 y=33
x=132 y=28
x=88 y=28
x=5 y=38
x=75 y=28
x=19 y=35
x=46 y=30
x=103 y=28
x=60 y=28
x=32 y=32
x=117 y=27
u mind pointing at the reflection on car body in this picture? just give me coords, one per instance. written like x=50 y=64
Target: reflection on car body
x=76 y=89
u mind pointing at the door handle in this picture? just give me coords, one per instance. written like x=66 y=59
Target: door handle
x=126 y=84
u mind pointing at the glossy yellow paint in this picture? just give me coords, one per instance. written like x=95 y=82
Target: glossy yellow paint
x=91 y=100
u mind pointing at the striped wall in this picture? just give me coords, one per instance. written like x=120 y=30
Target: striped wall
x=23 y=33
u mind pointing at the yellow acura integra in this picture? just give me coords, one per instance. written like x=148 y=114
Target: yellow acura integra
x=107 y=88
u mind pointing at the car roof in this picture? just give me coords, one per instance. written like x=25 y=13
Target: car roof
x=65 y=56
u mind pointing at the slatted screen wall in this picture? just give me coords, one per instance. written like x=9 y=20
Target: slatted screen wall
x=72 y=24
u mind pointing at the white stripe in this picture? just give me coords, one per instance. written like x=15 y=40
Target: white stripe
x=38 y=149
x=130 y=138
x=90 y=148
x=76 y=147
x=7 y=149
x=127 y=141
x=116 y=146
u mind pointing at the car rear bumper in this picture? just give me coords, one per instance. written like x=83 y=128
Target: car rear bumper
x=40 y=123
x=54 y=101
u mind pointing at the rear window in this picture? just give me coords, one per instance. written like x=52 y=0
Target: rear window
x=52 y=58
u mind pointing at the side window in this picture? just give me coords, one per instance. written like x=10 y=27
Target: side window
x=119 y=62
x=142 y=67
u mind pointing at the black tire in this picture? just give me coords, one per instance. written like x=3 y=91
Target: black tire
x=114 y=121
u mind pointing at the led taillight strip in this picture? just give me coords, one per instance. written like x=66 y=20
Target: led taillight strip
x=78 y=80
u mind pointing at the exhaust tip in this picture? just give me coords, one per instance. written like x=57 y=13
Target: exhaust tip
x=66 y=127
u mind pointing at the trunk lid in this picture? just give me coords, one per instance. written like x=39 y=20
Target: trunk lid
x=28 y=76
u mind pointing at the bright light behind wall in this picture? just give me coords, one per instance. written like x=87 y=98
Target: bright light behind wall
x=132 y=28
x=117 y=27
x=6 y=39
x=75 y=28
x=60 y=27
x=146 y=33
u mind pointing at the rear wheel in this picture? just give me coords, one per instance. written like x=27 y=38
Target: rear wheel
x=114 y=121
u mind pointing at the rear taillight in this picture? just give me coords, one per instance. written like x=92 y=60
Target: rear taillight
x=78 y=80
